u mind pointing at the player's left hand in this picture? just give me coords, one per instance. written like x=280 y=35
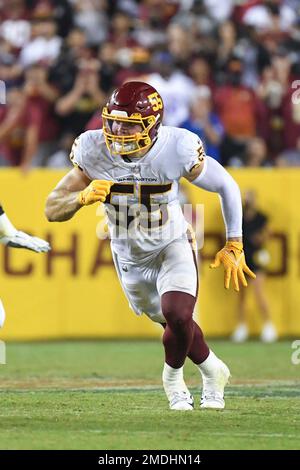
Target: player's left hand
x=233 y=259
x=23 y=240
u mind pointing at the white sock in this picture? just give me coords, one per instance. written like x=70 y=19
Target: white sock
x=173 y=379
x=208 y=367
x=6 y=227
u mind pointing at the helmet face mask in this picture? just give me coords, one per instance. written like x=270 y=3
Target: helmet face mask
x=128 y=142
x=131 y=118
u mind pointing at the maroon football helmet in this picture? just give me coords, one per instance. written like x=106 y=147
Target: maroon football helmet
x=137 y=107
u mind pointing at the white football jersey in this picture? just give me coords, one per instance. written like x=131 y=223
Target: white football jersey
x=144 y=213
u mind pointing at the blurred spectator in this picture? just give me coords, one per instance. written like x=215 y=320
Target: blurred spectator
x=247 y=53
x=74 y=49
x=200 y=27
x=60 y=159
x=129 y=6
x=28 y=128
x=77 y=106
x=200 y=72
x=90 y=16
x=291 y=117
x=95 y=122
x=271 y=15
x=176 y=89
x=227 y=43
x=109 y=66
x=255 y=155
x=44 y=45
x=241 y=8
x=204 y=122
x=180 y=43
x=255 y=234
x=121 y=31
x=149 y=29
x=60 y=10
x=15 y=22
x=238 y=109
x=271 y=90
x=131 y=64
x=290 y=157
x=220 y=11
x=11 y=133
x=10 y=71
x=292 y=44
x=245 y=47
x=158 y=12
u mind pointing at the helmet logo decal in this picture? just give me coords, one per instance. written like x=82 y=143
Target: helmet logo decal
x=155 y=101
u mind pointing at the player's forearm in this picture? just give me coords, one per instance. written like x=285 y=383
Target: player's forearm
x=232 y=211
x=48 y=92
x=212 y=134
x=61 y=205
x=30 y=145
x=216 y=179
x=9 y=123
x=67 y=103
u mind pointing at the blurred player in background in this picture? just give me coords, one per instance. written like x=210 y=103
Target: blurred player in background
x=255 y=234
x=12 y=237
x=134 y=166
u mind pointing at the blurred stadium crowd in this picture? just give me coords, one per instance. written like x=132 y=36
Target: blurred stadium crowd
x=227 y=70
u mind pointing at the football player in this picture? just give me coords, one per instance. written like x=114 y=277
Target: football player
x=133 y=165
x=12 y=237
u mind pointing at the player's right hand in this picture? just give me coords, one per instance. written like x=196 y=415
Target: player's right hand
x=97 y=190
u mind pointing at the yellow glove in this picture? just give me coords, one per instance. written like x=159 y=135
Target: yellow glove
x=233 y=259
x=97 y=190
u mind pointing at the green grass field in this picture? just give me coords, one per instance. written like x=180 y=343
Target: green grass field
x=108 y=395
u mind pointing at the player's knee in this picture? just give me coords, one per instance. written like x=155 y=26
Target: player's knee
x=177 y=308
x=179 y=322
